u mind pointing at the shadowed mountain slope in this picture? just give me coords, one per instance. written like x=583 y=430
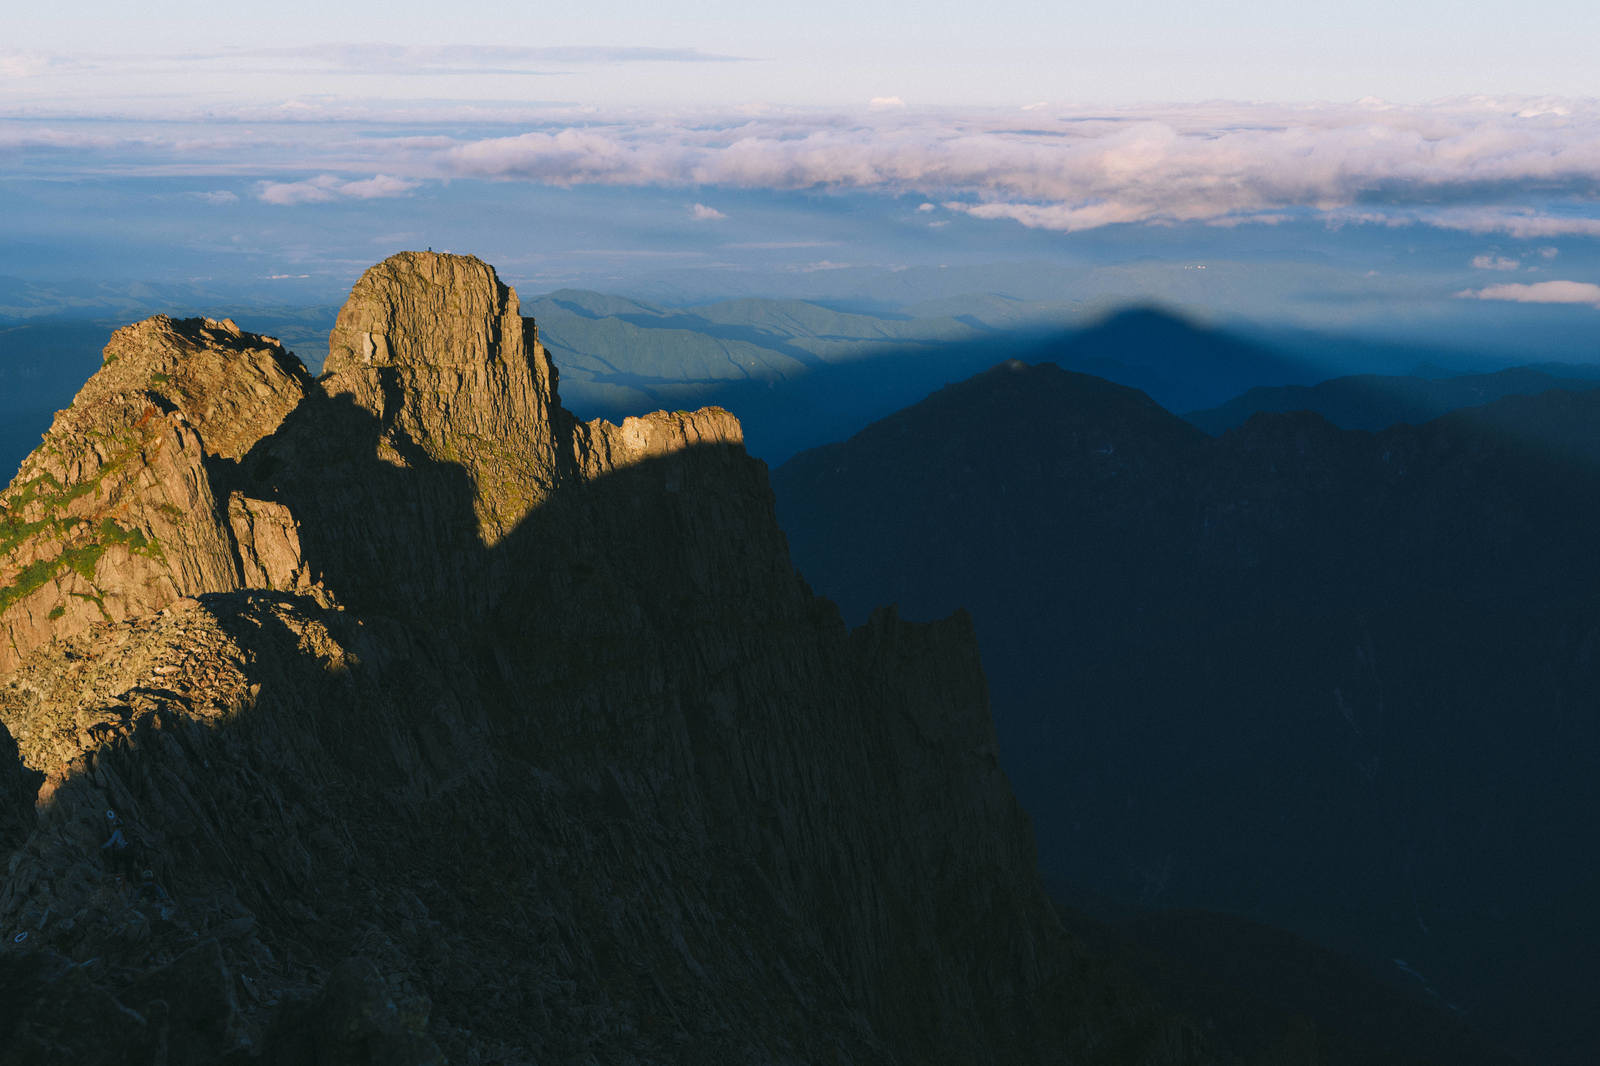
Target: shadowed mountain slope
x=1338 y=681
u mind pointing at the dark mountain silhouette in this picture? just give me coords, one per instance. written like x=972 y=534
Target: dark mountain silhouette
x=1337 y=681
x=1376 y=401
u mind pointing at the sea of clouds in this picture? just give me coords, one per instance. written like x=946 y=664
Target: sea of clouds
x=1523 y=168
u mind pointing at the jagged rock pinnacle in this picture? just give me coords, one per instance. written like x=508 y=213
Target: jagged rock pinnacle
x=434 y=346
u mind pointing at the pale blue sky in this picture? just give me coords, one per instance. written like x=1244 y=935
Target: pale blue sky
x=929 y=53
x=1452 y=169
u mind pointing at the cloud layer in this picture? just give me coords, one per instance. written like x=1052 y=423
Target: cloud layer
x=1477 y=166
x=1494 y=262
x=1528 y=169
x=327 y=188
x=352 y=58
x=1544 y=292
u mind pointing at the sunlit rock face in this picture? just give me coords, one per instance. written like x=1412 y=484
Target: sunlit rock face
x=121 y=509
x=434 y=348
x=443 y=727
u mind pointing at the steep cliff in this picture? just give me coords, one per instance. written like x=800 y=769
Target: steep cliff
x=443 y=727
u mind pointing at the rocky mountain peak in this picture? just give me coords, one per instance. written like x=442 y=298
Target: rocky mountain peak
x=435 y=348
x=232 y=387
x=190 y=461
x=118 y=512
x=426 y=308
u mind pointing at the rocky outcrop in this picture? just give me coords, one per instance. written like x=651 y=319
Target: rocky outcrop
x=123 y=508
x=508 y=739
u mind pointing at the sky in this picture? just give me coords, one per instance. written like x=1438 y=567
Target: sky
x=1353 y=166
x=830 y=52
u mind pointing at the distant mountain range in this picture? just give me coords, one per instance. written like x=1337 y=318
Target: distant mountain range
x=797 y=373
x=1339 y=681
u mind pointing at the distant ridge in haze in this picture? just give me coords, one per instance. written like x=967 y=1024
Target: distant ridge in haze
x=1374 y=401
x=1178 y=362
x=797 y=373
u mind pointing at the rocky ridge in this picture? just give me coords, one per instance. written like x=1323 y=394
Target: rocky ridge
x=445 y=728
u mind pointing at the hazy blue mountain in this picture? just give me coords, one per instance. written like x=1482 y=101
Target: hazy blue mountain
x=42 y=364
x=1179 y=363
x=121 y=302
x=1335 y=680
x=999 y=311
x=796 y=373
x=1374 y=401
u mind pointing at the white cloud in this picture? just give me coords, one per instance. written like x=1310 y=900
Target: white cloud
x=15 y=63
x=1518 y=168
x=288 y=193
x=927 y=207
x=702 y=213
x=454 y=59
x=1522 y=224
x=1494 y=262
x=886 y=103
x=353 y=59
x=1063 y=217
x=326 y=188
x=1450 y=166
x=377 y=187
x=777 y=245
x=1549 y=252
x=1544 y=292
x=219 y=197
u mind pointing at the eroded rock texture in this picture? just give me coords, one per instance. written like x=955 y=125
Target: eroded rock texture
x=442 y=727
